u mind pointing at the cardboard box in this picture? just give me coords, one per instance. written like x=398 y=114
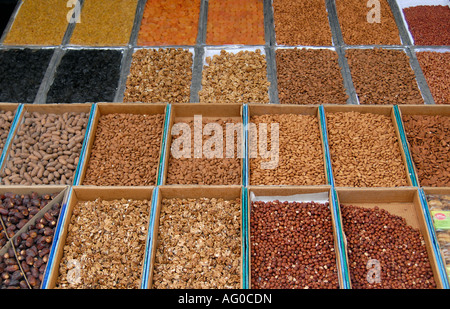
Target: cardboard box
x=313 y=193
x=87 y=193
x=183 y=112
x=275 y=109
x=403 y=202
x=49 y=109
x=426 y=110
x=118 y=108
x=386 y=110
x=184 y=191
x=60 y=196
x=441 y=244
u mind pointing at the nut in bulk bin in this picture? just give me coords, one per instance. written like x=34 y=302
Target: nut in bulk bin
x=293 y=238
x=125 y=145
x=195 y=156
x=32 y=242
x=103 y=242
x=198 y=238
x=365 y=147
x=427 y=133
x=46 y=147
x=388 y=241
x=300 y=159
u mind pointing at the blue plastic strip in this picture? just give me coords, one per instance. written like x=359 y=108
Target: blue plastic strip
x=404 y=142
x=323 y=125
x=434 y=240
x=87 y=136
x=56 y=237
x=162 y=159
x=14 y=124
x=245 y=168
x=149 y=245
x=245 y=240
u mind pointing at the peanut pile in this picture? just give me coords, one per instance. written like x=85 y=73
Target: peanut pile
x=126 y=150
x=239 y=77
x=105 y=245
x=199 y=244
x=365 y=151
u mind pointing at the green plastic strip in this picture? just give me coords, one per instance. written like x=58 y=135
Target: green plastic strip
x=149 y=245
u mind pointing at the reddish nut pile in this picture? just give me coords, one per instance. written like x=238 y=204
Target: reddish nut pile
x=300 y=159
x=301 y=22
x=239 y=77
x=126 y=150
x=105 y=245
x=159 y=75
x=429 y=140
x=204 y=168
x=6 y=120
x=292 y=246
x=383 y=76
x=309 y=76
x=46 y=149
x=429 y=24
x=365 y=151
x=436 y=67
x=360 y=25
x=199 y=244
x=17 y=209
x=377 y=238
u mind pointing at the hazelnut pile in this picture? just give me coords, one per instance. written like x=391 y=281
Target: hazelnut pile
x=126 y=150
x=239 y=77
x=383 y=76
x=398 y=249
x=364 y=150
x=292 y=246
x=436 y=67
x=199 y=244
x=300 y=22
x=429 y=140
x=105 y=245
x=159 y=76
x=309 y=76
x=301 y=160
